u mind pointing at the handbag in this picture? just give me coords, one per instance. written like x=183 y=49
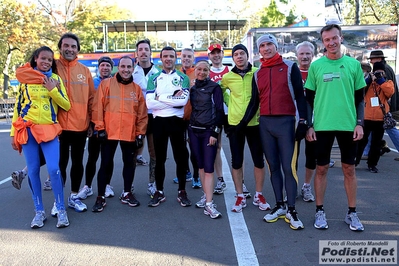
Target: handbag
x=389 y=121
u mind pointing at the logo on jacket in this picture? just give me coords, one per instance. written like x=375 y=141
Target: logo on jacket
x=81 y=77
x=176 y=81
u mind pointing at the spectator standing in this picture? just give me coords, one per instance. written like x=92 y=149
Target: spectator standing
x=377 y=93
x=338 y=113
x=378 y=56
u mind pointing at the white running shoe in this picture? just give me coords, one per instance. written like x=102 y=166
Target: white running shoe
x=85 y=192
x=211 y=211
x=75 y=203
x=239 y=205
x=276 y=213
x=54 y=211
x=260 y=201
x=109 y=192
x=292 y=218
x=38 y=220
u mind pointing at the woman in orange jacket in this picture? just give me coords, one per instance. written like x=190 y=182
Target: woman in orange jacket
x=377 y=94
x=35 y=127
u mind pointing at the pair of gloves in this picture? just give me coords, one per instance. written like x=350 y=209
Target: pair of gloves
x=102 y=136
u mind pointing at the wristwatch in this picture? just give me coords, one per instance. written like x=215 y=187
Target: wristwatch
x=217 y=130
x=303 y=121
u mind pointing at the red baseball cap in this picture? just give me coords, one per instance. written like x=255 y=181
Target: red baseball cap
x=213 y=47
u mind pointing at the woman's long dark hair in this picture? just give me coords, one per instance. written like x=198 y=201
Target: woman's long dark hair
x=35 y=55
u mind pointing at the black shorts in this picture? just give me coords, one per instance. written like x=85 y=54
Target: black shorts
x=325 y=141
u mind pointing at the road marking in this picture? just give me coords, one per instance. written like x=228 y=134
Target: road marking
x=5 y=130
x=245 y=251
x=5 y=180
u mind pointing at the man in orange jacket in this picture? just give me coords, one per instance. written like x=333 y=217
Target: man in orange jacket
x=76 y=122
x=120 y=116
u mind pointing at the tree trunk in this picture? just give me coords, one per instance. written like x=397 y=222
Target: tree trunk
x=5 y=73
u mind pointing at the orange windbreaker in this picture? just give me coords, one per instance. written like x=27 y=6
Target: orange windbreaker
x=120 y=109
x=80 y=89
x=384 y=91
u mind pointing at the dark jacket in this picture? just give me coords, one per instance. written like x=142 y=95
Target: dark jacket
x=207 y=104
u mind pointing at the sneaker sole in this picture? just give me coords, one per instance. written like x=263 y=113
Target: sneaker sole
x=212 y=216
x=130 y=204
x=62 y=225
x=38 y=226
x=182 y=204
x=77 y=210
x=261 y=208
x=16 y=181
x=320 y=227
x=291 y=226
x=218 y=192
x=157 y=204
x=47 y=188
x=308 y=200
x=109 y=195
x=275 y=219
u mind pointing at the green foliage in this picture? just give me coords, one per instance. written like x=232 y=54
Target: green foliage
x=86 y=18
x=272 y=17
x=290 y=19
x=373 y=12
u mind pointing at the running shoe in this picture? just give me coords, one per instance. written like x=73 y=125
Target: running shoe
x=201 y=203
x=17 y=178
x=196 y=183
x=157 y=199
x=141 y=161
x=188 y=178
x=320 y=221
x=151 y=188
x=260 y=201
x=240 y=203
x=47 y=185
x=219 y=187
x=62 y=219
x=99 y=205
x=331 y=164
x=246 y=192
x=38 y=220
x=85 y=192
x=54 y=210
x=292 y=218
x=130 y=199
x=109 y=192
x=211 y=211
x=182 y=198
x=75 y=203
x=353 y=221
x=307 y=193
x=278 y=212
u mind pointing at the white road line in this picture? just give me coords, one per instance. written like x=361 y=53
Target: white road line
x=245 y=251
x=5 y=180
x=5 y=130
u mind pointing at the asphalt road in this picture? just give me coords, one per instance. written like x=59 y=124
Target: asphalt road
x=172 y=235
